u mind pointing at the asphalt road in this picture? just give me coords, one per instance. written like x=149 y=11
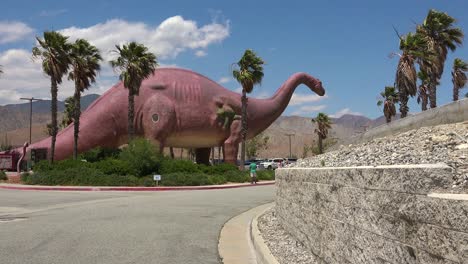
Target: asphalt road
x=119 y=227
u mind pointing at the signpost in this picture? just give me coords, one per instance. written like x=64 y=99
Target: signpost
x=157 y=178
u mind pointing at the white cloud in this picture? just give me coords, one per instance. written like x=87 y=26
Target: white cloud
x=200 y=53
x=237 y=90
x=308 y=110
x=224 y=80
x=51 y=13
x=173 y=36
x=344 y=111
x=24 y=77
x=13 y=31
x=299 y=99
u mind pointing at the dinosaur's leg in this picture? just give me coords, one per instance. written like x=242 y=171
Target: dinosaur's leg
x=203 y=155
x=231 y=144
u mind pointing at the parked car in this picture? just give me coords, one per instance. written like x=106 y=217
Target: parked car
x=269 y=164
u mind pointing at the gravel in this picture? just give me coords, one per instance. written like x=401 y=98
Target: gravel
x=446 y=144
x=282 y=245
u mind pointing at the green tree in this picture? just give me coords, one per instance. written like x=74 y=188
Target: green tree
x=85 y=59
x=441 y=35
x=53 y=50
x=389 y=99
x=423 y=95
x=414 y=48
x=323 y=125
x=256 y=144
x=249 y=72
x=135 y=64
x=68 y=112
x=458 y=76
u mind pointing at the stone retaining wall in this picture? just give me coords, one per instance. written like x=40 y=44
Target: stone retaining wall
x=373 y=214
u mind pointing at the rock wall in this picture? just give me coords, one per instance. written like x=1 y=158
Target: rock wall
x=384 y=214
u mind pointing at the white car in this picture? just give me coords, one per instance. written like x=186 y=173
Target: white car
x=272 y=164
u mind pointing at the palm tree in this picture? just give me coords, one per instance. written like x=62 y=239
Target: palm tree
x=135 y=64
x=53 y=50
x=323 y=124
x=249 y=73
x=441 y=35
x=423 y=90
x=68 y=112
x=458 y=76
x=413 y=47
x=85 y=60
x=389 y=99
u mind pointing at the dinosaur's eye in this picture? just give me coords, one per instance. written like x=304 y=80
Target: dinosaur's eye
x=155 y=118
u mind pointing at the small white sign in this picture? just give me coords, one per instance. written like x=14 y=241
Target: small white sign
x=157 y=177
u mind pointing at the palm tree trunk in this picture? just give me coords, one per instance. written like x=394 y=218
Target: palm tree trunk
x=131 y=113
x=455 y=93
x=424 y=102
x=403 y=105
x=76 y=121
x=244 y=128
x=53 y=109
x=320 y=144
x=433 y=91
x=171 y=150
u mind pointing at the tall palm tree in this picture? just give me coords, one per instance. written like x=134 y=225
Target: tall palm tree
x=458 y=76
x=413 y=47
x=248 y=73
x=85 y=60
x=389 y=99
x=53 y=50
x=423 y=91
x=323 y=125
x=441 y=35
x=68 y=112
x=135 y=64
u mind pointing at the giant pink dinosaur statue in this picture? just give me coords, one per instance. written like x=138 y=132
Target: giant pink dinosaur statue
x=177 y=108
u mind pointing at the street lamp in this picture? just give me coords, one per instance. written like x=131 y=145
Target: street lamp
x=30 y=113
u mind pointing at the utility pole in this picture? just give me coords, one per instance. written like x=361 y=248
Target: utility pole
x=30 y=114
x=289 y=136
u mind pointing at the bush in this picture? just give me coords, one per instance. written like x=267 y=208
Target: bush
x=189 y=179
x=25 y=177
x=219 y=169
x=266 y=175
x=83 y=176
x=237 y=176
x=142 y=158
x=173 y=166
x=111 y=166
x=44 y=165
x=99 y=153
x=3 y=176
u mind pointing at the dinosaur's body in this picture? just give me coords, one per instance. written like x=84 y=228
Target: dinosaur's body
x=177 y=108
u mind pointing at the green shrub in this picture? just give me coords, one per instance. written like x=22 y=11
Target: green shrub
x=83 y=176
x=142 y=158
x=191 y=179
x=111 y=166
x=99 y=153
x=25 y=176
x=219 y=169
x=44 y=165
x=3 y=176
x=237 y=176
x=266 y=175
x=173 y=166
x=147 y=181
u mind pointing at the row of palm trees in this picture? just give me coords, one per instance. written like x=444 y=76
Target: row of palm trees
x=81 y=61
x=427 y=47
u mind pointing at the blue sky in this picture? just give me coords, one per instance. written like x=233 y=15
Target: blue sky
x=343 y=43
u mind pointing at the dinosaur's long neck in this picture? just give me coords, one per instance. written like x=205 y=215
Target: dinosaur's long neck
x=263 y=112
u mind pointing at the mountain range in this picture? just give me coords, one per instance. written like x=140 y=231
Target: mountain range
x=14 y=127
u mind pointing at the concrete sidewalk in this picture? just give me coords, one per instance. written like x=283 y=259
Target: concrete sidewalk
x=240 y=241
x=128 y=189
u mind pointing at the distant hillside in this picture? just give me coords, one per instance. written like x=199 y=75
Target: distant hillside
x=16 y=116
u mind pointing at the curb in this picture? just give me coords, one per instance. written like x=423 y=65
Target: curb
x=240 y=241
x=128 y=189
x=262 y=251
